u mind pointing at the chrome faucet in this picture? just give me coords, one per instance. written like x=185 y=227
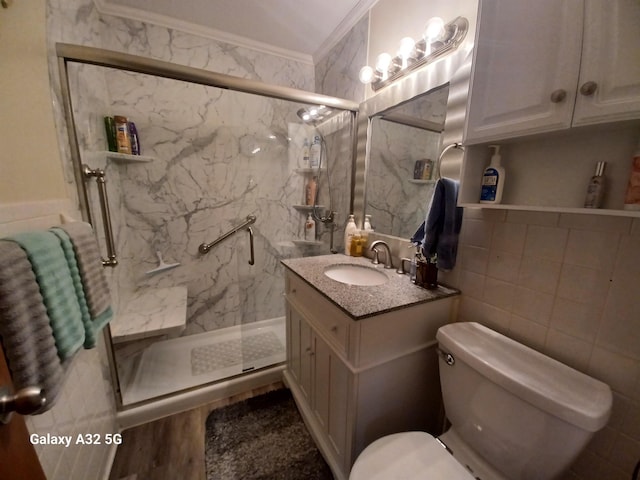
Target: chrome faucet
x=388 y=262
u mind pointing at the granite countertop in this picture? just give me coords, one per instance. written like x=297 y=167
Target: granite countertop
x=364 y=301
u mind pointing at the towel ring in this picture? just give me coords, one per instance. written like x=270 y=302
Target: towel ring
x=442 y=154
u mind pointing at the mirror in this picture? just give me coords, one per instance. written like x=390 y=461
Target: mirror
x=404 y=143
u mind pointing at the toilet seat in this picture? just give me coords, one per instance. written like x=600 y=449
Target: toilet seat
x=407 y=456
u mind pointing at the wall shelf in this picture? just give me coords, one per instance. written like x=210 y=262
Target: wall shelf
x=537 y=208
x=306 y=171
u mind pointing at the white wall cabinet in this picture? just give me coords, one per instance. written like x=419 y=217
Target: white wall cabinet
x=548 y=65
x=357 y=380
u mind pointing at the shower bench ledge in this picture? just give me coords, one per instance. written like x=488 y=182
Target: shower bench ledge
x=151 y=312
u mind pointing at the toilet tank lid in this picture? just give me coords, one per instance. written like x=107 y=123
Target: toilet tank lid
x=535 y=378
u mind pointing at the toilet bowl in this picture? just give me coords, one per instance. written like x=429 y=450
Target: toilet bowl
x=515 y=414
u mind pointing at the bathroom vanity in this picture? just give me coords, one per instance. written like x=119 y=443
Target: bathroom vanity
x=361 y=359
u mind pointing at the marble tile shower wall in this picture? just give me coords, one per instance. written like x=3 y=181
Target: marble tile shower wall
x=566 y=285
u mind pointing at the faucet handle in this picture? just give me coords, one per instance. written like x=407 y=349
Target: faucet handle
x=375 y=260
x=401 y=269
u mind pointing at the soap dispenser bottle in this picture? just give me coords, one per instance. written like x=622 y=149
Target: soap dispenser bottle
x=493 y=179
x=350 y=230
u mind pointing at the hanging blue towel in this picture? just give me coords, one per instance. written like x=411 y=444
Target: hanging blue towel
x=52 y=273
x=438 y=234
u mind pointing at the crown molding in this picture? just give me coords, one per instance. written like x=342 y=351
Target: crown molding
x=344 y=27
x=199 y=30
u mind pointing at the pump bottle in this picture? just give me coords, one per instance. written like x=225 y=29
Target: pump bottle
x=493 y=179
x=350 y=230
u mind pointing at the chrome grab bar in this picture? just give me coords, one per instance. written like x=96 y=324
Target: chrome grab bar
x=251 y=219
x=99 y=175
x=252 y=259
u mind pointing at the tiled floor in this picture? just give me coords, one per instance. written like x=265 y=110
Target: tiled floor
x=171 y=448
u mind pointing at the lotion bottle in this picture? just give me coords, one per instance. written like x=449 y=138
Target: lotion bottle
x=309 y=229
x=350 y=230
x=493 y=179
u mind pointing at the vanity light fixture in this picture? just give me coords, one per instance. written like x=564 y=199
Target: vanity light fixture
x=437 y=40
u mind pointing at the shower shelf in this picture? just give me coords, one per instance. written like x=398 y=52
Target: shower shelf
x=125 y=158
x=421 y=182
x=306 y=171
x=307 y=243
x=307 y=208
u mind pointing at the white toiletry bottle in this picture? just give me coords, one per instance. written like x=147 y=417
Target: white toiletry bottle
x=350 y=230
x=305 y=154
x=314 y=152
x=632 y=196
x=309 y=229
x=366 y=230
x=493 y=179
x=595 y=190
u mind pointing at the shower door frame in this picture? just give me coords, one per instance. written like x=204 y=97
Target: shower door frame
x=69 y=53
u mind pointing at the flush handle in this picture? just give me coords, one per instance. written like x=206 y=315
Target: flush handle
x=447 y=357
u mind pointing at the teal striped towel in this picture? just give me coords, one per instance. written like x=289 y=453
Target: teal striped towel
x=92 y=326
x=52 y=272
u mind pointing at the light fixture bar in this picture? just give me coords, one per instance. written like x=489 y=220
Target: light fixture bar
x=455 y=32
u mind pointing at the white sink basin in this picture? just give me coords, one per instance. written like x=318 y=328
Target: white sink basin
x=355 y=275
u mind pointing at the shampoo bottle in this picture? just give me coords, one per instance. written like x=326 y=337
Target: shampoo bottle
x=310 y=190
x=595 y=190
x=305 y=154
x=350 y=230
x=493 y=179
x=366 y=230
x=314 y=152
x=632 y=197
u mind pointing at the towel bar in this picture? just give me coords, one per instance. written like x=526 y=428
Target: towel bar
x=99 y=175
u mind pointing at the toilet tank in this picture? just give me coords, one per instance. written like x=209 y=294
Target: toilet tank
x=525 y=414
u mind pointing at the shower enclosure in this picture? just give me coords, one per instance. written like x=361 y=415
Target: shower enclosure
x=201 y=219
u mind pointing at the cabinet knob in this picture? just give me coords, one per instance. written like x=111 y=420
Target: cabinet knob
x=334 y=329
x=558 y=96
x=588 y=88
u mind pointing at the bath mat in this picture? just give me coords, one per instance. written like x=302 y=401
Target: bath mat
x=225 y=354
x=262 y=438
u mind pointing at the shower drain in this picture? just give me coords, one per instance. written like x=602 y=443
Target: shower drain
x=245 y=351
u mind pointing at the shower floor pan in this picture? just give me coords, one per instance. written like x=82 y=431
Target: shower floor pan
x=169 y=366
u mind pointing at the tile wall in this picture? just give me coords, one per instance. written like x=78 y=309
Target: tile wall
x=566 y=285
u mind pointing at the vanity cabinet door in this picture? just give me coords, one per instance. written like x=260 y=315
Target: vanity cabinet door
x=330 y=389
x=300 y=355
x=525 y=70
x=610 y=63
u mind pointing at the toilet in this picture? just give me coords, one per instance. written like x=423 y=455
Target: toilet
x=515 y=414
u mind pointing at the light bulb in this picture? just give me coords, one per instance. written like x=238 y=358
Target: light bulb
x=366 y=74
x=382 y=62
x=434 y=29
x=406 y=47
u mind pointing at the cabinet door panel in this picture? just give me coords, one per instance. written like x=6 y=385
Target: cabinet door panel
x=525 y=51
x=322 y=380
x=306 y=358
x=293 y=342
x=611 y=59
